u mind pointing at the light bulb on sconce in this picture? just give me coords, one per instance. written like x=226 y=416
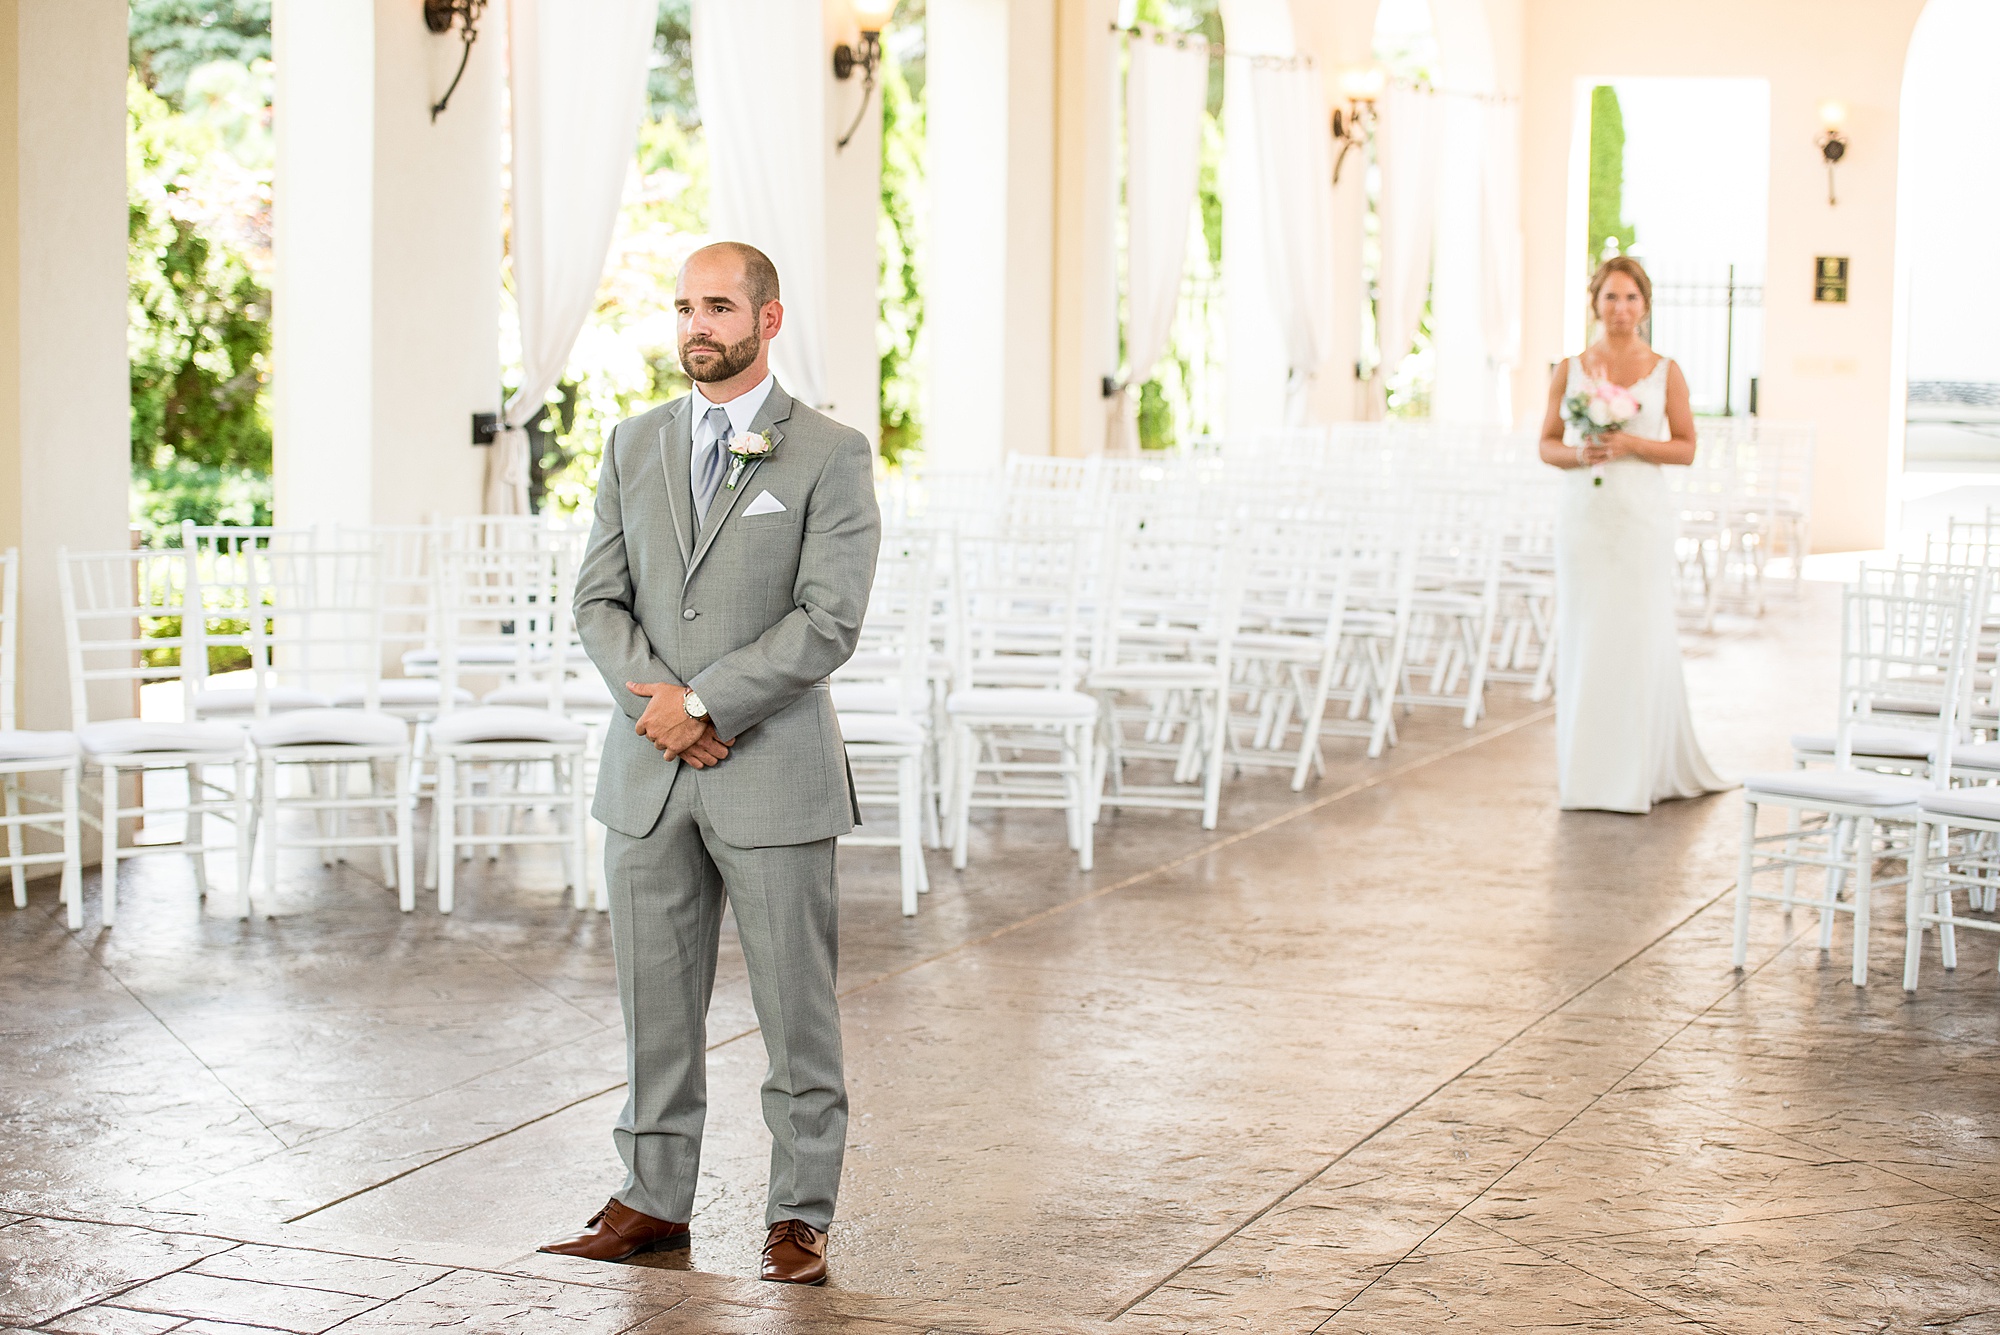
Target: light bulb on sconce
x=1361 y=85
x=1832 y=143
x=871 y=17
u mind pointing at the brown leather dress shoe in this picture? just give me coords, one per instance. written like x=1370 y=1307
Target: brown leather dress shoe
x=795 y=1253
x=618 y=1231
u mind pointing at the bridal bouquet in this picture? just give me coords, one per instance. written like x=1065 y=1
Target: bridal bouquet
x=1596 y=410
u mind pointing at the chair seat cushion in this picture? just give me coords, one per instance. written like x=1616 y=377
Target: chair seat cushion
x=866 y=697
x=23 y=745
x=1977 y=803
x=330 y=727
x=398 y=693
x=1152 y=676
x=1021 y=702
x=217 y=700
x=504 y=723
x=873 y=663
x=1976 y=755
x=125 y=736
x=880 y=729
x=425 y=661
x=1843 y=786
x=1895 y=743
x=584 y=693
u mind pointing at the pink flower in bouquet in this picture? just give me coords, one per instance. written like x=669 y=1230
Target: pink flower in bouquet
x=1611 y=405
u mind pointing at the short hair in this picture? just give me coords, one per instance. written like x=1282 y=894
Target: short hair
x=760 y=276
x=1632 y=269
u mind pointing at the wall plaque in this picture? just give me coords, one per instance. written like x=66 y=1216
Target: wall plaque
x=1830 y=278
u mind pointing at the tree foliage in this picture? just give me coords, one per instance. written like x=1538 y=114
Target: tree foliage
x=670 y=76
x=900 y=324
x=198 y=226
x=170 y=39
x=1610 y=234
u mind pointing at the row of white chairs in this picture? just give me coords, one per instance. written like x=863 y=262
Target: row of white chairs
x=314 y=707
x=1909 y=776
x=1133 y=633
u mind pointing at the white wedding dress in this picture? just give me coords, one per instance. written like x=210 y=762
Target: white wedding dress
x=1624 y=739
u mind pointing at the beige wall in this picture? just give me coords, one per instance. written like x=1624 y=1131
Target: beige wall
x=65 y=474
x=1830 y=365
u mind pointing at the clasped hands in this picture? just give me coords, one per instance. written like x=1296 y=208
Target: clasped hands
x=1603 y=449
x=666 y=724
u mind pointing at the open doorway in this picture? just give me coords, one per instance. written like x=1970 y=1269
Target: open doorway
x=1676 y=172
x=1950 y=195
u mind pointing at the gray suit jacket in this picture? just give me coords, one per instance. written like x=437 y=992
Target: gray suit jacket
x=752 y=611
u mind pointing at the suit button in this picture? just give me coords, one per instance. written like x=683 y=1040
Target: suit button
x=689 y=615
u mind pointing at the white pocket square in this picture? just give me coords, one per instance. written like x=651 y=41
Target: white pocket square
x=765 y=504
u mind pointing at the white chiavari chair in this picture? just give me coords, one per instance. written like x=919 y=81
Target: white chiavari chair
x=228 y=570
x=505 y=611
x=407 y=558
x=1022 y=728
x=885 y=717
x=323 y=632
x=125 y=619
x=1906 y=644
x=1161 y=661
x=30 y=758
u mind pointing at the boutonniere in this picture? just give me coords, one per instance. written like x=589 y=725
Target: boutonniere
x=750 y=445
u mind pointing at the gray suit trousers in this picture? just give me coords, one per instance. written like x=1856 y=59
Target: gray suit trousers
x=667 y=893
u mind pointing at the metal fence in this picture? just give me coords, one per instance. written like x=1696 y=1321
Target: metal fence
x=1712 y=323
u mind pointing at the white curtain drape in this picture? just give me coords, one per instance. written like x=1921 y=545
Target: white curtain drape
x=1166 y=91
x=1295 y=174
x=577 y=79
x=1500 y=228
x=759 y=77
x=1408 y=146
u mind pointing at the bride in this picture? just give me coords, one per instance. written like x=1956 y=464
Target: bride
x=1624 y=739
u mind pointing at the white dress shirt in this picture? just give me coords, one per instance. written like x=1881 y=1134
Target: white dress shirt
x=742 y=410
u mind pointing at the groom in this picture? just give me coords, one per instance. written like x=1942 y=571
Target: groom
x=727 y=573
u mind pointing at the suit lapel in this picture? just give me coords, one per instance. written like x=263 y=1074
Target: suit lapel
x=676 y=450
x=776 y=410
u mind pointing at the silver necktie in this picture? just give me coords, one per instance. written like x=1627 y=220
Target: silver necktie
x=709 y=479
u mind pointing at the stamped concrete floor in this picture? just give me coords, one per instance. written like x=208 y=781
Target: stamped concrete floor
x=1407 y=1051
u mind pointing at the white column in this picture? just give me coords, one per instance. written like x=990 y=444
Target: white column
x=322 y=300
x=386 y=232
x=435 y=293
x=65 y=419
x=991 y=91
x=1256 y=371
x=1339 y=34
x=1084 y=304
x=853 y=208
x=1467 y=386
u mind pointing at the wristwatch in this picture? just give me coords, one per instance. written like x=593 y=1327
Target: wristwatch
x=692 y=703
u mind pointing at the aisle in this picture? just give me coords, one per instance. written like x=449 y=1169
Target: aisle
x=1409 y=1049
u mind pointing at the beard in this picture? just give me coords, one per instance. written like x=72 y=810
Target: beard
x=729 y=361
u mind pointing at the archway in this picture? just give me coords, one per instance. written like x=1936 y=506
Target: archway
x=1950 y=192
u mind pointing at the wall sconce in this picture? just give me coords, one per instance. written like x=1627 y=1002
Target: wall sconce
x=872 y=16
x=1833 y=143
x=1361 y=85
x=438 y=17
